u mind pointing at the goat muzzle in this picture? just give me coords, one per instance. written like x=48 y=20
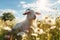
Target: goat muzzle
x=34 y=17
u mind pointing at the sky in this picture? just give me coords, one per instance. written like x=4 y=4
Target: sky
x=18 y=7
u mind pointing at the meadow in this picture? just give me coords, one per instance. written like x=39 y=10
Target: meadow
x=44 y=29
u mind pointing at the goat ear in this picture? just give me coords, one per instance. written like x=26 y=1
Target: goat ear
x=38 y=13
x=24 y=13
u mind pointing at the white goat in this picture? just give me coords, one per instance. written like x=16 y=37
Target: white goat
x=25 y=25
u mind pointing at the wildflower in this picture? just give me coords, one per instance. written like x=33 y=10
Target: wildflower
x=53 y=27
x=59 y=28
x=7 y=28
x=49 y=21
x=34 y=34
x=46 y=17
x=20 y=33
x=41 y=31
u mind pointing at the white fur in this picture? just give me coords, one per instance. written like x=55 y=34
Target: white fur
x=26 y=23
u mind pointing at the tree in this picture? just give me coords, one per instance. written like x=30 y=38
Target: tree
x=8 y=16
x=7 y=19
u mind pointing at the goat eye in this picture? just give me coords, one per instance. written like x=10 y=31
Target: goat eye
x=27 y=10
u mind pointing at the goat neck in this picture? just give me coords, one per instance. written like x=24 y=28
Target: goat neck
x=30 y=22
